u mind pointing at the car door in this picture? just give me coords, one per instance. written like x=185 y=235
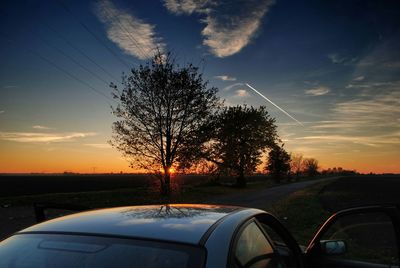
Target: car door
x=358 y=237
x=262 y=241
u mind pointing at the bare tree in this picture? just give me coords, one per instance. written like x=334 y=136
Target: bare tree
x=311 y=166
x=161 y=110
x=296 y=164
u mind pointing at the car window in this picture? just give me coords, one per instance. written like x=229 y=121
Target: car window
x=38 y=250
x=253 y=248
x=281 y=247
x=368 y=237
x=275 y=238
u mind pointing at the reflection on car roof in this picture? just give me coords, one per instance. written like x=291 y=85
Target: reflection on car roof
x=179 y=222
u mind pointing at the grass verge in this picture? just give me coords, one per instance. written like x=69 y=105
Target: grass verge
x=302 y=212
x=133 y=196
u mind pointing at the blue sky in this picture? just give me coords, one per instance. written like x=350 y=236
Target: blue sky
x=333 y=65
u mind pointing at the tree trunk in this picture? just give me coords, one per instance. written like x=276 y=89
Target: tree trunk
x=166 y=184
x=241 y=180
x=277 y=176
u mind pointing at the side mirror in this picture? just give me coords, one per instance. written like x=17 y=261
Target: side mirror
x=333 y=247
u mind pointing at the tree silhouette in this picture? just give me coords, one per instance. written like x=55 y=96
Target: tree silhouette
x=311 y=166
x=296 y=164
x=240 y=135
x=161 y=110
x=278 y=164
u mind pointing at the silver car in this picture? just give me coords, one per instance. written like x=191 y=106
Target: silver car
x=203 y=236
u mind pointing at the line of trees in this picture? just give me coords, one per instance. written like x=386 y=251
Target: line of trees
x=168 y=118
x=282 y=165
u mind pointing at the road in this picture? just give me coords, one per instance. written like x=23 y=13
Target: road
x=13 y=219
x=265 y=197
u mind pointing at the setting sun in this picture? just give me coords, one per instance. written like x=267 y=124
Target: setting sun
x=333 y=101
x=171 y=170
x=123 y=115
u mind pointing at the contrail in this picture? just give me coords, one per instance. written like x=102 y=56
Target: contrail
x=283 y=111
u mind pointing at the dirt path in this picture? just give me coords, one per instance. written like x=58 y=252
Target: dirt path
x=265 y=197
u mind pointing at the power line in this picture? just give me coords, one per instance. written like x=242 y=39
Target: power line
x=130 y=8
x=133 y=40
x=92 y=33
x=71 y=58
x=6 y=36
x=79 y=50
x=66 y=55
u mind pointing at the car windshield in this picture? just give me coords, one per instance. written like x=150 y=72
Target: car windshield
x=56 y=250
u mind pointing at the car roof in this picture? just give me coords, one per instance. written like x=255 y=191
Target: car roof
x=186 y=223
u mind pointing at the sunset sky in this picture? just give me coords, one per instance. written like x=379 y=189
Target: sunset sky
x=332 y=65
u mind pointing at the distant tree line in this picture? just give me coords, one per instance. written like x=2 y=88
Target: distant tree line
x=338 y=171
x=282 y=165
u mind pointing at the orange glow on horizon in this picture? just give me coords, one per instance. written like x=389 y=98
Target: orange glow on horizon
x=75 y=158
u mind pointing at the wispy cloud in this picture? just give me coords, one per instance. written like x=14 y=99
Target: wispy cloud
x=376 y=114
x=41 y=127
x=227 y=88
x=99 y=145
x=318 y=91
x=392 y=65
x=341 y=59
x=2 y=112
x=187 y=6
x=359 y=78
x=358 y=86
x=383 y=106
x=9 y=86
x=225 y=78
x=373 y=141
x=369 y=85
x=369 y=115
x=360 y=127
x=228 y=29
x=31 y=137
x=131 y=34
x=241 y=93
x=225 y=38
